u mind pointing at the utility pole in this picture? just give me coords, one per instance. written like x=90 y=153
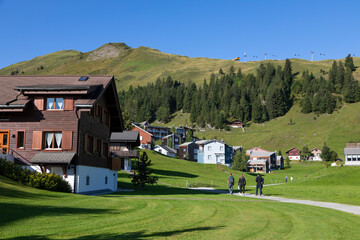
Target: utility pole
x=245 y=56
x=312 y=56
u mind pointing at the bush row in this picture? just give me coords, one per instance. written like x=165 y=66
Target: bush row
x=48 y=181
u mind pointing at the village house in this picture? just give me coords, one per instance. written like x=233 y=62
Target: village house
x=165 y=150
x=352 y=154
x=171 y=140
x=121 y=147
x=214 y=152
x=256 y=161
x=255 y=149
x=189 y=151
x=236 y=124
x=294 y=154
x=156 y=131
x=62 y=125
x=258 y=165
x=146 y=139
x=316 y=154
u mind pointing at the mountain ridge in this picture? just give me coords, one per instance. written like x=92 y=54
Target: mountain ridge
x=143 y=65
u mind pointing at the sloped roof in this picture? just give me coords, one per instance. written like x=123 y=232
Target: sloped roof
x=185 y=144
x=261 y=154
x=141 y=129
x=168 y=149
x=351 y=150
x=126 y=136
x=12 y=85
x=53 y=157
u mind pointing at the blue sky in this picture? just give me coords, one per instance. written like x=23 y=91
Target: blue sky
x=214 y=29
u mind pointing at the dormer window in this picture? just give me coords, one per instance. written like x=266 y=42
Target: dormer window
x=54 y=103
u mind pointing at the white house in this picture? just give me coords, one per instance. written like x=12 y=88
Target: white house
x=165 y=150
x=216 y=152
x=352 y=154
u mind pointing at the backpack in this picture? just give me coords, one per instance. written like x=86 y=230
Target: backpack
x=231 y=180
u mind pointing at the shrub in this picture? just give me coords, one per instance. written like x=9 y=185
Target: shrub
x=47 y=181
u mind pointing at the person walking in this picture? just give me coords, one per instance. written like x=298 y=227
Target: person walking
x=259 y=184
x=291 y=178
x=286 y=179
x=242 y=183
x=230 y=182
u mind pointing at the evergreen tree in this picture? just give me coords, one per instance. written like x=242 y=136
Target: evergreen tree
x=240 y=161
x=325 y=153
x=305 y=153
x=142 y=174
x=306 y=106
x=287 y=162
x=256 y=111
x=349 y=63
x=332 y=76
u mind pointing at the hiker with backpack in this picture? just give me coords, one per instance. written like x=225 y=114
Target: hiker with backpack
x=230 y=182
x=242 y=183
x=259 y=184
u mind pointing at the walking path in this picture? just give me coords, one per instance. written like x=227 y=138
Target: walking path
x=337 y=206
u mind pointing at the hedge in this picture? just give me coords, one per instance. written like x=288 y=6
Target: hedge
x=48 y=181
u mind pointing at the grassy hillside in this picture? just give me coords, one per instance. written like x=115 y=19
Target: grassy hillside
x=308 y=129
x=142 y=65
x=29 y=213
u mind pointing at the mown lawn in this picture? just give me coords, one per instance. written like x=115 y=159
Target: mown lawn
x=332 y=184
x=28 y=213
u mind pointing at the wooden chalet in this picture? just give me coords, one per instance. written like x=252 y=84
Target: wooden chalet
x=62 y=125
x=121 y=147
x=294 y=154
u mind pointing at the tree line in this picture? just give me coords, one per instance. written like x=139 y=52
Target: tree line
x=259 y=97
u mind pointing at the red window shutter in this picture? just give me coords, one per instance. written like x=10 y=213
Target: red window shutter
x=68 y=104
x=37 y=140
x=39 y=103
x=67 y=140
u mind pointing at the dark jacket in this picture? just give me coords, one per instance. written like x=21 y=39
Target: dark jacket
x=259 y=180
x=242 y=181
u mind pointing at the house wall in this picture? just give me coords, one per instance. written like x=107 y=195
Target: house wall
x=32 y=119
x=92 y=126
x=355 y=159
x=145 y=138
x=213 y=154
x=97 y=179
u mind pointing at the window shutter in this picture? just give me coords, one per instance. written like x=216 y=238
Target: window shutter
x=68 y=104
x=39 y=103
x=37 y=140
x=67 y=140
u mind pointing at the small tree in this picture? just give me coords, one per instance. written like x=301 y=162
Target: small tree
x=287 y=162
x=240 y=161
x=305 y=153
x=325 y=153
x=142 y=173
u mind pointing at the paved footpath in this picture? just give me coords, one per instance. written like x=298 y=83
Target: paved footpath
x=337 y=206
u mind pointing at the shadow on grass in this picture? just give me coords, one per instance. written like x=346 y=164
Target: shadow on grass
x=130 y=235
x=157 y=189
x=170 y=174
x=13 y=193
x=13 y=212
